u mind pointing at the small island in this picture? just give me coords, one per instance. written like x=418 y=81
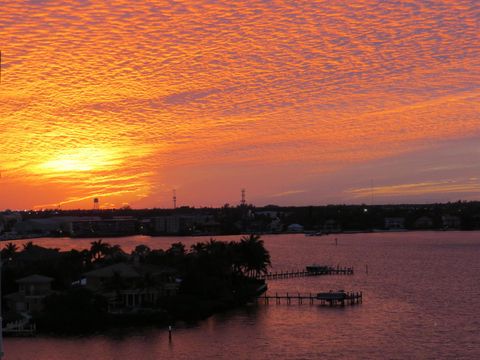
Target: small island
x=104 y=287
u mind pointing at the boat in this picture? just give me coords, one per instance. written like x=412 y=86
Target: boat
x=332 y=295
x=318 y=268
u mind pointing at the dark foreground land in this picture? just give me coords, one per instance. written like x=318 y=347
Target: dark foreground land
x=103 y=287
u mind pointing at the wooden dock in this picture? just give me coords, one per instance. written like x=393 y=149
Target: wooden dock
x=304 y=273
x=19 y=328
x=331 y=298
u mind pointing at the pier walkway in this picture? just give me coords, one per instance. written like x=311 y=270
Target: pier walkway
x=19 y=328
x=337 y=298
x=304 y=273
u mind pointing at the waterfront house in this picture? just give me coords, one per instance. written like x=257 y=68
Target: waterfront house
x=295 y=228
x=331 y=226
x=394 y=223
x=31 y=292
x=131 y=286
x=451 y=222
x=423 y=222
x=275 y=225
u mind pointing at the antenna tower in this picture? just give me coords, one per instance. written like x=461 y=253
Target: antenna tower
x=1 y=322
x=243 y=198
x=371 y=191
x=174 y=198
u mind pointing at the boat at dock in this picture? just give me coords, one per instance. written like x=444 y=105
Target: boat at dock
x=332 y=295
x=315 y=233
x=339 y=297
x=314 y=268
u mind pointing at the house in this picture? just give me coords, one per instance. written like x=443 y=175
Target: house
x=275 y=225
x=331 y=226
x=31 y=292
x=131 y=286
x=395 y=223
x=423 y=222
x=295 y=228
x=451 y=222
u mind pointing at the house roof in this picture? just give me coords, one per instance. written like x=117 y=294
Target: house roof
x=128 y=270
x=35 y=279
x=122 y=269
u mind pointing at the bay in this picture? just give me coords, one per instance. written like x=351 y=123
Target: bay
x=421 y=301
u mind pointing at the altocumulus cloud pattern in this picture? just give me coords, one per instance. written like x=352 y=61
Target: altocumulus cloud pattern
x=126 y=100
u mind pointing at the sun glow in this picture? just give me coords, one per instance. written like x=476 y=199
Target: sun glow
x=80 y=160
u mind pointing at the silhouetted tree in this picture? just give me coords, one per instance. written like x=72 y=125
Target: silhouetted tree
x=99 y=249
x=255 y=257
x=9 y=250
x=141 y=251
x=28 y=245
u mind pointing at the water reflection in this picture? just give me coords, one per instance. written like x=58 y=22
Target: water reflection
x=411 y=306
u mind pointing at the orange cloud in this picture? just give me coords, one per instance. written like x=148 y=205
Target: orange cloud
x=119 y=97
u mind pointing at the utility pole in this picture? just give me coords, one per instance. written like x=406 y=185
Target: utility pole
x=371 y=190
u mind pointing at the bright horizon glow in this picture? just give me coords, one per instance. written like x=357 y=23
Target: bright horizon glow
x=306 y=102
x=79 y=160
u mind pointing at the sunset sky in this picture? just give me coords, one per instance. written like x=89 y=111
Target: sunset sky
x=299 y=102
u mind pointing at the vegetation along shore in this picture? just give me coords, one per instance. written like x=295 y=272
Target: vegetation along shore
x=108 y=288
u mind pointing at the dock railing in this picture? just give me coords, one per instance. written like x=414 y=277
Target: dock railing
x=278 y=275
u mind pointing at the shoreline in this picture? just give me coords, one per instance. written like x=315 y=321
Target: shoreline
x=306 y=233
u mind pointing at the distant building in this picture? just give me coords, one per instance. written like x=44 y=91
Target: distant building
x=423 y=222
x=275 y=225
x=165 y=225
x=184 y=224
x=103 y=227
x=40 y=227
x=395 y=223
x=331 y=226
x=451 y=222
x=8 y=220
x=269 y=213
x=295 y=228
x=29 y=298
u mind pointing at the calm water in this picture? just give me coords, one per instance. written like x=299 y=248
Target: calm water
x=421 y=301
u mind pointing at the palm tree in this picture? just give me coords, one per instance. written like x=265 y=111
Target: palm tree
x=99 y=249
x=256 y=258
x=198 y=248
x=9 y=250
x=28 y=246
